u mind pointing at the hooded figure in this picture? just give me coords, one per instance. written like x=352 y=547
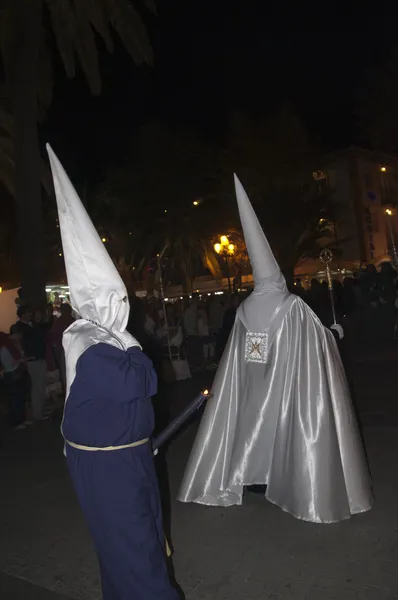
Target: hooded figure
x=281 y=413
x=108 y=416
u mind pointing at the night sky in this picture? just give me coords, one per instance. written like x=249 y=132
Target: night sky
x=211 y=59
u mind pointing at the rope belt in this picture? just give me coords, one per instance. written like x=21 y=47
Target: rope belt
x=107 y=448
x=111 y=449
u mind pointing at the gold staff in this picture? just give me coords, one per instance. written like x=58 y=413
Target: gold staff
x=326 y=257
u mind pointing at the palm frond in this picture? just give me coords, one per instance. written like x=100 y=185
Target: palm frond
x=7 y=171
x=7 y=156
x=7 y=146
x=94 y=11
x=63 y=19
x=6 y=36
x=6 y=121
x=45 y=73
x=86 y=48
x=128 y=24
x=151 y=5
x=211 y=262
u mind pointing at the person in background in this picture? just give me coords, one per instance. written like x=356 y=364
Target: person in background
x=313 y=295
x=194 y=346
x=387 y=286
x=371 y=296
x=59 y=327
x=349 y=298
x=205 y=338
x=216 y=317
x=191 y=317
x=150 y=320
x=21 y=299
x=14 y=376
x=34 y=347
x=48 y=315
x=299 y=290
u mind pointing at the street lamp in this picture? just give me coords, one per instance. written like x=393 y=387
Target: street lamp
x=225 y=249
x=224 y=240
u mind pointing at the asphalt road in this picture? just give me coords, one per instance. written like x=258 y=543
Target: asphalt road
x=255 y=551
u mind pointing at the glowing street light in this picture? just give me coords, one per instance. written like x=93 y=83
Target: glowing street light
x=388 y=212
x=383 y=169
x=104 y=240
x=195 y=203
x=224 y=246
x=225 y=249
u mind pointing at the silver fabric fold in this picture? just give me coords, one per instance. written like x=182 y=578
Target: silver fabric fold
x=288 y=423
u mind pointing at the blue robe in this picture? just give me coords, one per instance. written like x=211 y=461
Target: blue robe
x=109 y=405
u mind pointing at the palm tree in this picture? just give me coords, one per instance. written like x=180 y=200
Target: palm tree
x=184 y=241
x=181 y=235
x=298 y=218
x=7 y=150
x=274 y=159
x=165 y=187
x=25 y=30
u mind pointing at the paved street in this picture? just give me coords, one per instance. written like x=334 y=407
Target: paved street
x=253 y=552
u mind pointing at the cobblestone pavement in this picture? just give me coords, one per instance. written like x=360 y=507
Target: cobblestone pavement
x=253 y=552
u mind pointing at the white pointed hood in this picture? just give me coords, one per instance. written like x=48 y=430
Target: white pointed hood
x=98 y=294
x=263 y=307
x=266 y=271
x=97 y=291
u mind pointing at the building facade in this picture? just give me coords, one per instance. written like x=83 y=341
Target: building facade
x=365 y=186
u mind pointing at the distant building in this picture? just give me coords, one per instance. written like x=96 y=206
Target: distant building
x=365 y=185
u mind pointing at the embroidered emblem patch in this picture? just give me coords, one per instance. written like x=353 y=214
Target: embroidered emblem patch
x=256 y=347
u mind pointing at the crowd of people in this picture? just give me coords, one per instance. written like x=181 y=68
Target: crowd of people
x=365 y=303
x=32 y=366
x=194 y=329
x=32 y=362
x=198 y=327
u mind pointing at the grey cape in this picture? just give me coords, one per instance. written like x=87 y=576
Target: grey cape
x=281 y=412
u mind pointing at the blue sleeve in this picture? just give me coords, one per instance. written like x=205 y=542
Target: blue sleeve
x=107 y=371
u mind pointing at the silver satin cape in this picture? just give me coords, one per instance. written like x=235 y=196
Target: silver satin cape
x=287 y=422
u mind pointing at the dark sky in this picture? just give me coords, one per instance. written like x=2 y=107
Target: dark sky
x=213 y=56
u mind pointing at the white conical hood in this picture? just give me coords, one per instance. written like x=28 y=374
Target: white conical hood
x=266 y=271
x=97 y=291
